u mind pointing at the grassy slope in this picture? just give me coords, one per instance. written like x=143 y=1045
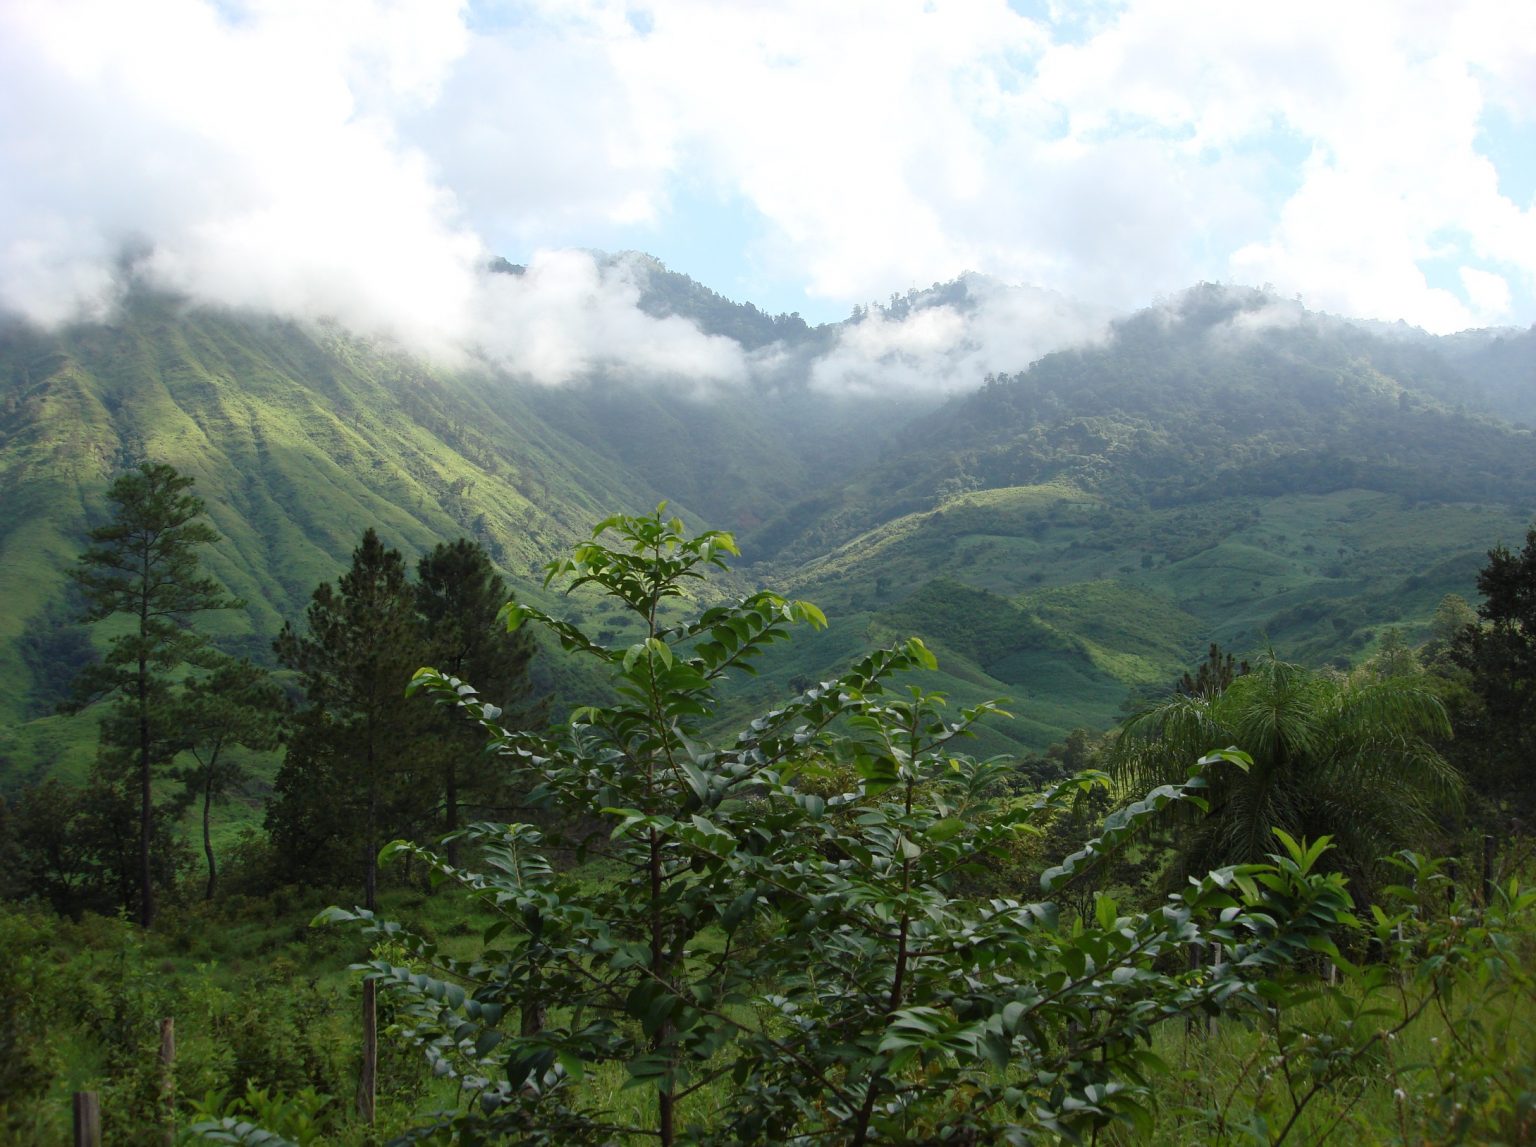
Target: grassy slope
x=1064 y=605
x=298 y=441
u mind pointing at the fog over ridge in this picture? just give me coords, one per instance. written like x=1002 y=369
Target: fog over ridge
x=365 y=161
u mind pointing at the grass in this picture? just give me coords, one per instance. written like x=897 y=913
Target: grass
x=1133 y=596
x=1439 y=1080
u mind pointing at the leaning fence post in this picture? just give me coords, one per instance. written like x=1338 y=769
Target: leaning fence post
x=87 y=1119
x=366 y=1083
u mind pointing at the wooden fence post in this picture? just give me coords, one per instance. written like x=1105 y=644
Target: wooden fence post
x=1193 y=951
x=168 y=1078
x=1487 y=870
x=367 y=1083
x=1217 y=959
x=87 y=1119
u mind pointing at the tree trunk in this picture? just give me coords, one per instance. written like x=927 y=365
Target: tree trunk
x=367 y=1083
x=371 y=857
x=213 y=871
x=87 y=1108
x=666 y=1100
x=146 y=803
x=451 y=809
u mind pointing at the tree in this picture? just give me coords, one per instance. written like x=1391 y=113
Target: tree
x=1452 y=616
x=1331 y=757
x=1394 y=657
x=352 y=773
x=143 y=565
x=1214 y=674
x=459 y=594
x=811 y=948
x=237 y=705
x=1500 y=656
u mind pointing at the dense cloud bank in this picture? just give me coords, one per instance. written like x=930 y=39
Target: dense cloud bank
x=364 y=161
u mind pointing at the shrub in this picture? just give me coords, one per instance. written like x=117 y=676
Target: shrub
x=809 y=949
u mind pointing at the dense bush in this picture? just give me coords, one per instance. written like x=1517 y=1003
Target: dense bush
x=804 y=958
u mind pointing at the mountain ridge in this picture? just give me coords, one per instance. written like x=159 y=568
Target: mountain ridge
x=1214 y=437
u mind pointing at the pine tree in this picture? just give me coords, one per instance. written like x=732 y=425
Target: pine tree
x=237 y=705
x=1214 y=674
x=1500 y=656
x=143 y=565
x=459 y=594
x=354 y=771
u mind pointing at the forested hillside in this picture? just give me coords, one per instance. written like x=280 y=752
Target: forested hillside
x=1224 y=466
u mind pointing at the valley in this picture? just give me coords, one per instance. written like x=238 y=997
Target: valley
x=1069 y=536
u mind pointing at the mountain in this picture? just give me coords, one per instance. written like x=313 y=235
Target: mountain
x=1223 y=466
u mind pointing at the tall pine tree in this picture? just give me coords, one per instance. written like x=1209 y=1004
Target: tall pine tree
x=1497 y=735
x=354 y=774
x=143 y=567
x=458 y=594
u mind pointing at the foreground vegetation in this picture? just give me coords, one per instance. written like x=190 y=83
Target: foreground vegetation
x=817 y=929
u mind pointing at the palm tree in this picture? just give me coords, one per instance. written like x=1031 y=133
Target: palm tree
x=1346 y=758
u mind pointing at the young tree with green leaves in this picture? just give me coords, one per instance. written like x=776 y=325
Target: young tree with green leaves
x=142 y=567
x=238 y=705
x=353 y=774
x=808 y=953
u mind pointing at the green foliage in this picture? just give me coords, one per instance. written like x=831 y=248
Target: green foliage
x=1349 y=759
x=143 y=566
x=260 y=1118
x=78 y=847
x=1500 y=656
x=352 y=776
x=810 y=949
x=258 y=1038
x=1428 y=1041
x=31 y=990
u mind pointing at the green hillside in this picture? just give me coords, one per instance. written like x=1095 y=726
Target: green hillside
x=298 y=439
x=1063 y=536
x=1070 y=606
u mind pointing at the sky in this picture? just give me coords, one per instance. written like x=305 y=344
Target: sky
x=363 y=159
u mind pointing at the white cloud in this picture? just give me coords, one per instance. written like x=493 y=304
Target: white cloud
x=950 y=348
x=892 y=144
x=1385 y=100
x=568 y=317
x=363 y=158
x=1489 y=293
x=253 y=159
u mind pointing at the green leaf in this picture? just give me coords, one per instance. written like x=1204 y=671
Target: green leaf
x=945 y=829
